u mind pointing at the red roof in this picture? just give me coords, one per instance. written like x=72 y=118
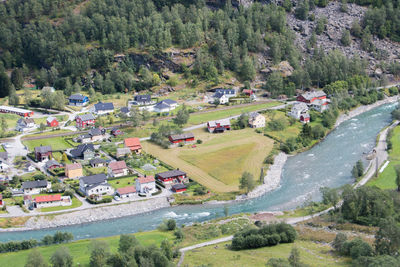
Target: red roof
x=117 y=165
x=49 y=198
x=145 y=180
x=133 y=143
x=126 y=190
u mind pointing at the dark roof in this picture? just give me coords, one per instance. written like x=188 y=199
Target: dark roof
x=34 y=184
x=104 y=106
x=218 y=94
x=161 y=105
x=169 y=174
x=50 y=163
x=43 y=149
x=142 y=98
x=95 y=132
x=182 y=136
x=94 y=179
x=86 y=117
x=124 y=110
x=77 y=97
x=168 y=101
x=97 y=161
x=78 y=151
x=225 y=91
x=178 y=186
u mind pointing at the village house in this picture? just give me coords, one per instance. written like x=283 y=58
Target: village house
x=95 y=185
x=145 y=185
x=78 y=100
x=299 y=111
x=142 y=100
x=116 y=132
x=84 y=151
x=94 y=135
x=315 y=99
x=256 y=120
x=52 y=122
x=4 y=156
x=97 y=162
x=117 y=169
x=28 y=200
x=133 y=144
x=52 y=201
x=122 y=152
x=169 y=178
x=28 y=167
x=185 y=138
x=219 y=126
x=178 y=188
x=125 y=111
x=43 y=152
x=223 y=95
x=52 y=164
x=126 y=192
x=13 y=110
x=1 y=200
x=35 y=187
x=102 y=108
x=73 y=170
x=85 y=120
x=166 y=105
x=24 y=124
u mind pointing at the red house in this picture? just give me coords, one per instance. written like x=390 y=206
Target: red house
x=19 y=111
x=171 y=177
x=178 y=188
x=85 y=120
x=43 y=152
x=310 y=97
x=219 y=126
x=248 y=92
x=178 y=138
x=52 y=122
x=1 y=200
x=116 y=132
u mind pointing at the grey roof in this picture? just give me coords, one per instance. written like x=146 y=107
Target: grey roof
x=104 y=106
x=34 y=184
x=182 y=136
x=94 y=179
x=86 y=117
x=226 y=91
x=50 y=163
x=298 y=106
x=223 y=122
x=94 y=185
x=124 y=110
x=254 y=115
x=178 y=186
x=173 y=173
x=78 y=151
x=311 y=95
x=95 y=132
x=162 y=106
x=218 y=95
x=4 y=155
x=42 y=149
x=97 y=161
x=168 y=101
x=77 y=97
x=84 y=136
x=142 y=98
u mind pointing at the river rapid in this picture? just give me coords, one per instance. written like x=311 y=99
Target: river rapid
x=327 y=164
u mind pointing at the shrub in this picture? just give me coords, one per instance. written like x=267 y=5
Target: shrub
x=199 y=141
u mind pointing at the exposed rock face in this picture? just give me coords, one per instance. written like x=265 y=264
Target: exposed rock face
x=337 y=23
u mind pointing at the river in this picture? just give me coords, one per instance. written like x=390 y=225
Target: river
x=327 y=164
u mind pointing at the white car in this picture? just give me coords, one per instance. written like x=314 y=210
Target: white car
x=117 y=198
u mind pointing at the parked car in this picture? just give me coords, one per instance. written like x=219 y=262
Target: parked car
x=117 y=198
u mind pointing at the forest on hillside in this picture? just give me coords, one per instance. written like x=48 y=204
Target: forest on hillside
x=71 y=44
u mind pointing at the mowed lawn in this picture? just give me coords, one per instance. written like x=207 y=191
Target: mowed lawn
x=122 y=182
x=56 y=143
x=220 y=160
x=220 y=114
x=311 y=253
x=75 y=203
x=80 y=250
x=387 y=179
x=288 y=132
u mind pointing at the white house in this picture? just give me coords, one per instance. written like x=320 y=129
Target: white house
x=256 y=120
x=35 y=187
x=117 y=169
x=166 y=105
x=146 y=185
x=102 y=108
x=319 y=105
x=297 y=109
x=52 y=201
x=24 y=124
x=95 y=185
x=223 y=95
x=126 y=192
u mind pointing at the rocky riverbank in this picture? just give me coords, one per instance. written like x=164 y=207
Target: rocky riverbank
x=92 y=215
x=361 y=109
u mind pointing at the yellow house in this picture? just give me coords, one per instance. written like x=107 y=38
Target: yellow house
x=73 y=170
x=256 y=120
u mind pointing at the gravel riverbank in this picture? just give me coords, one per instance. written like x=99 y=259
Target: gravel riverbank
x=92 y=215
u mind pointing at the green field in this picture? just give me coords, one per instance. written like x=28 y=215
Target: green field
x=122 y=182
x=288 y=132
x=56 y=143
x=219 y=255
x=80 y=249
x=75 y=203
x=387 y=179
x=220 y=114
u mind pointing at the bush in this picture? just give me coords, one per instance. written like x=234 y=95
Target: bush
x=277 y=125
x=199 y=141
